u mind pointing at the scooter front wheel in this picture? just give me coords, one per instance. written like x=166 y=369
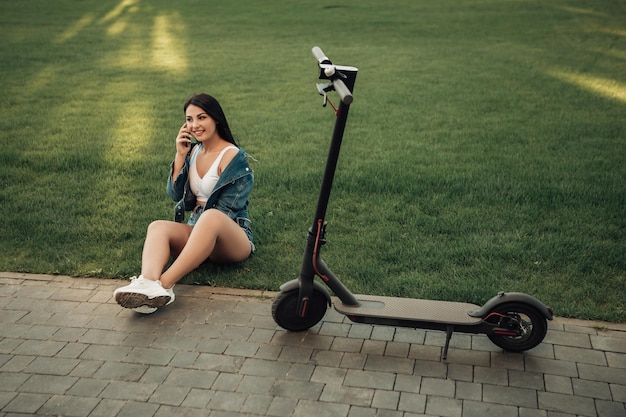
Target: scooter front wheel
x=520 y=326
x=285 y=310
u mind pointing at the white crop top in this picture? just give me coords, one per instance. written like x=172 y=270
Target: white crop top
x=203 y=187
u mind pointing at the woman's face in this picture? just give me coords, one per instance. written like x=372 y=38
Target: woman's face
x=199 y=123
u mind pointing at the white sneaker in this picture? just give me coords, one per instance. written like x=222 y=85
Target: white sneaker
x=150 y=310
x=142 y=292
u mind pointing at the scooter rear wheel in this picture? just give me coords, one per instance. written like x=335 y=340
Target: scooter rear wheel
x=518 y=317
x=285 y=310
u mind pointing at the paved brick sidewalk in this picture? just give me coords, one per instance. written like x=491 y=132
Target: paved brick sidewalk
x=66 y=349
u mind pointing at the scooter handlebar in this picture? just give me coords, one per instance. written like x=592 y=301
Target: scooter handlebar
x=340 y=87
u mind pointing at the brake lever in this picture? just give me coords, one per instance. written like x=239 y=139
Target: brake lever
x=323 y=90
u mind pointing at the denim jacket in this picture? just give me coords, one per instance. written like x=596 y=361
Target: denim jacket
x=230 y=195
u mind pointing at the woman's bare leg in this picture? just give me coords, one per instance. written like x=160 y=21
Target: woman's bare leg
x=164 y=239
x=215 y=236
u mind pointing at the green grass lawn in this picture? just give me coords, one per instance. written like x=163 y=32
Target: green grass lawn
x=485 y=148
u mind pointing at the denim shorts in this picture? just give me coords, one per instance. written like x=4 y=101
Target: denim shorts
x=241 y=221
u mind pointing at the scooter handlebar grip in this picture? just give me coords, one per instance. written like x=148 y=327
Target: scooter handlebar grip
x=344 y=92
x=319 y=54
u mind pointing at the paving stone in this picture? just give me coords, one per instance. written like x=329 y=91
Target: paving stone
x=39 y=348
x=469 y=391
x=607 y=343
x=520 y=397
x=284 y=407
x=469 y=357
x=72 y=350
x=458 y=340
x=227 y=401
x=26 y=403
x=169 y=395
x=251 y=384
x=48 y=384
x=369 y=379
x=567 y=339
x=480 y=409
x=551 y=366
x=320 y=409
x=532 y=380
x=107 y=408
x=414 y=403
x=353 y=360
x=602 y=373
x=580 y=355
x=430 y=368
x=260 y=367
x=297 y=389
x=197 y=398
x=138 y=409
x=531 y=412
x=18 y=363
x=389 y=364
x=149 y=356
x=120 y=371
x=347 y=395
x=294 y=354
x=11 y=381
x=460 y=372
x=385 y=399
x=618 y=392
x=558 y=384
x=362 y=412
x=328 y=375
x=408 y=383
x=220 y=363
x=397 y=349
x=374 y=347
x=493 y=376
x=616 y=360
x=347 y=345
x=51 y=366
x=191 y=378
x=444 y=407
x=610 y=409
x=438 y=387
x=256 y=404
x=69 y=406
x=300 y=371
x=168 y=411
x=507 y=360
x=567 y=404
x=425 y=353
x=593 y=389
x=87 y=387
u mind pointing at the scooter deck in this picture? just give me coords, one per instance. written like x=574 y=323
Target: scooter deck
x=411 y=309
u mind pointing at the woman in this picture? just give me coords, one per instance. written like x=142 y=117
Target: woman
x=212 y=179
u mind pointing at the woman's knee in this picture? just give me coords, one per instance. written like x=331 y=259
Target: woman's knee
x=157 y=226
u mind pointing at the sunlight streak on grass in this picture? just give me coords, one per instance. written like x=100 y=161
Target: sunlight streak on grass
x=73 y=30
x=166 y=52
x=582 y=11
x=117 y=11
x=43 y=78
x=602 y=86
x=129 y=136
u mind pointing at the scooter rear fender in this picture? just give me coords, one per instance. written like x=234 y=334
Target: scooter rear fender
x=508 y=297
x=294 y=285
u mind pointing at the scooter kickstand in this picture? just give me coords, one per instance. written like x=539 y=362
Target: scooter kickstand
x=449 y=331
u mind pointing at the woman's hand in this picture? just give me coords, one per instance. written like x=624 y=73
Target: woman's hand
x=183 y=141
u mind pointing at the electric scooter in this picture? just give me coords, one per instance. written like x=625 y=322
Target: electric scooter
x=515 y=322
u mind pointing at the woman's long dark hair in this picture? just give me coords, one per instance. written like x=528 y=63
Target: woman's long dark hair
x=212 y=107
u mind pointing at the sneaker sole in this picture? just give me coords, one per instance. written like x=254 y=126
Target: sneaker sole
x=134 y=300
